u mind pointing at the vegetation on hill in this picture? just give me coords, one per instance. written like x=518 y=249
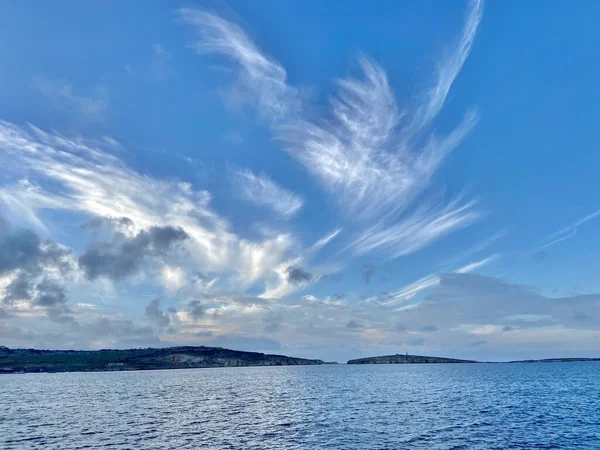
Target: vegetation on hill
x=407 y=359
x=30 y=360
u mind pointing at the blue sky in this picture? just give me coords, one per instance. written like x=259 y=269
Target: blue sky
x=321 y=180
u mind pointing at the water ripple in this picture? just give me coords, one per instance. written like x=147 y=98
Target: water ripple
x=485 y=406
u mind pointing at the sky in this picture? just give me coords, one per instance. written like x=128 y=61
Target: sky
x=323 y=180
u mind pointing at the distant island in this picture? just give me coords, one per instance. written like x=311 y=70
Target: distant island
x=552 y=360
x=407 y=359
x=31 y=360
x=416 y=359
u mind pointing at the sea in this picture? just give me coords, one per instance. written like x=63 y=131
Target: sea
x=437 y=406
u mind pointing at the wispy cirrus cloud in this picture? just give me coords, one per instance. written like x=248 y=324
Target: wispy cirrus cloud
x=375 y=158
x=409 y=291
x=263 y=191
x=267 y=80
x=565 y=233
x=61 y=96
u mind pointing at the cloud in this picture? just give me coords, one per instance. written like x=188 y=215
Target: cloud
x=353 y=325
x=35 y=269
x=367 y=273
x=196 y=309
x=51 y=171
x=156 y=315
x=409 y=291
x=265 y=78
x=272 y=322
x=565 y=233
x=326 y=240
x=427 y=224
x=262 y=191
x=60 y=94
x=487 y=305
x=116 y=333
x=297 y=275
x=449 y=68
x=468 y=268
x=373 y=157
x=123 y=255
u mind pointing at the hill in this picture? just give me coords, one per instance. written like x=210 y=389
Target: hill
x=31 y=360
x=407 y=359
x=553 y=360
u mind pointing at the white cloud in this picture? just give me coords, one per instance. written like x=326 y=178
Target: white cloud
x=565 y=233
x=263 y=191
x=476 y=265
x=173 y=277
x=265 y=77
x=373 y=157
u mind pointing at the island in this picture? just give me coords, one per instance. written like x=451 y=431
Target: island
x=407 y=359
x=31 y=360
x=554 y=360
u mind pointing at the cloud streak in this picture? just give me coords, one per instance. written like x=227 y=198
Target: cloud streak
x=263 y=191
x=409 y=291
x=565 y=233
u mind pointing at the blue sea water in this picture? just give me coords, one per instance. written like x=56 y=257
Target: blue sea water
x=444 y=406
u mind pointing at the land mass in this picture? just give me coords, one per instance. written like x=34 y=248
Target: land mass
x=407 y=359
x=416 y=359
x=31 y=360
x=552 y=360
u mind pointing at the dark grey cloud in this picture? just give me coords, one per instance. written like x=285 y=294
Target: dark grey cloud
x=156 y=315
x=23 y=249
x=368 y=271
x=19 y=288
x=202 y=277
x=353 y=325
x=428 y=328
x=297 y=275
x=122 y=256
x=29 y=259
x=52 y=296
x=196 y=309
